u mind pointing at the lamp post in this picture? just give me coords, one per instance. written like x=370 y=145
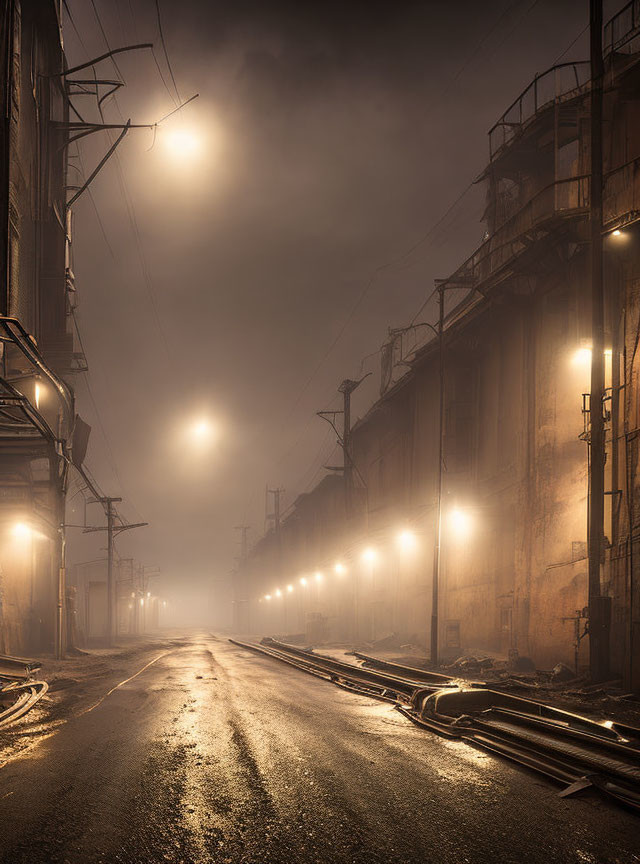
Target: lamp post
x=442 y=285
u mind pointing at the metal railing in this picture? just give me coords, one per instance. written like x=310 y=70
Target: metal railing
x=34 y=402
x=561 y=199
x=621 y=30
x=562 y=82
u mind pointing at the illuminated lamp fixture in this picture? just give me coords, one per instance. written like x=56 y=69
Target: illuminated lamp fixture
x=406 y=541
x=369 y=555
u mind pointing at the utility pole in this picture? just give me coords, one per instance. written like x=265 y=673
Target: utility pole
x=346 y=388
x=241 y=601
x=437 y=556
x=599 y=606
x=276 y=508
x=244 y=546
x=108 y=504
x=112 y=529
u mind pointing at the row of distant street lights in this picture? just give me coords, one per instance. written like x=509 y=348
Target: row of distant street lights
x=460 y=523
x=149 y=597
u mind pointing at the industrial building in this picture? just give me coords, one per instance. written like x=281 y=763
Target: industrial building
x=37 y=414
x=512 y=364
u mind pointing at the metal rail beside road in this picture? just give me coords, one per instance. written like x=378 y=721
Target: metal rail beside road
x=568 y=748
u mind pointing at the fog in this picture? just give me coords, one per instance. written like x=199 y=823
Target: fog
x=235 y=276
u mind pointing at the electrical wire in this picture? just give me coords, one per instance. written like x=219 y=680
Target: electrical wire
x=429 y=234
x=164 y=49
x=569 y=47
x=94 y=205
x=395 y=261
x=106 y=41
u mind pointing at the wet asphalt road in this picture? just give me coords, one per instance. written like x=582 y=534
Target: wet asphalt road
x=212 y=754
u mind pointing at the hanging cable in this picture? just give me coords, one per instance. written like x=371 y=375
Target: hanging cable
x=164 y=48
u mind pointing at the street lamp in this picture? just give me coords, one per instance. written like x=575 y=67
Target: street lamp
x=22 y=531
x=201 y=431
x=339 y=568
x=369 y=555
x=460 y=523
x=442 y=285
x=182 y=143
x=406 y=541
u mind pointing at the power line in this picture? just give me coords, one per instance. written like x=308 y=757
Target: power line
x=162 y=78
x=131 y=214
x=164 y=48
x=431 y=231
x=569 y=47
x=95 y=206
x=369 y=284
x=106 y=41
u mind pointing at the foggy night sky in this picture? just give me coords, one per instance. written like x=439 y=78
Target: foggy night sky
x=332 y=137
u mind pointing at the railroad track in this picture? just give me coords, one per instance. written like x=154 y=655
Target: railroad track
x=568 y=748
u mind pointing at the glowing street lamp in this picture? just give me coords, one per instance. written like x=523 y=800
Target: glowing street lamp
x=267 y=596
x=278 y=592
x=289 y=588
x=318 y=576
x=582 y=357
x=339 y=568
x=22 y=531
x=406 y=541
x=201 y=431
x=303 y=581
x=460 y=523
x=369 y=555
x=181 y=143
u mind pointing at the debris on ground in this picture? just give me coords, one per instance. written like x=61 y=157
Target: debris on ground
x=470 y=663
x=391 y=640
x=519 y=664
x=561 y=674
x=18 y=691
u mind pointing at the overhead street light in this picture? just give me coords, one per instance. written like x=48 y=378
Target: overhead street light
x=460 y=523
x=181 y=143
x=406 y=541
x=369 y=555
x=22 y=531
